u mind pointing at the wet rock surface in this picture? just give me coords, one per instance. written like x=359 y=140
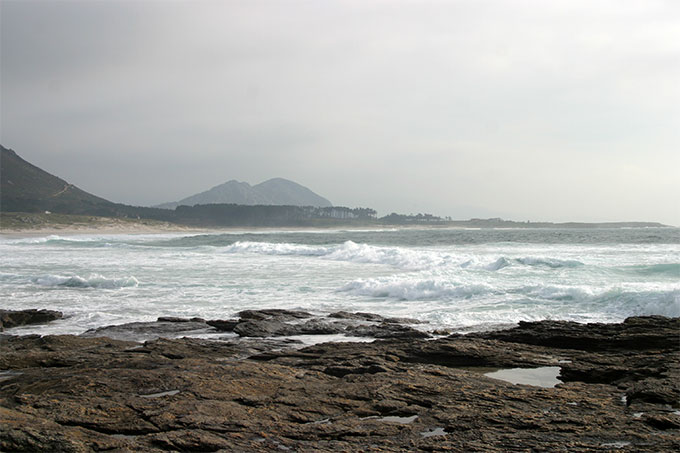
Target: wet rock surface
x=267 y=323
x=16 y=318
x=68 y=393
x=642 y=332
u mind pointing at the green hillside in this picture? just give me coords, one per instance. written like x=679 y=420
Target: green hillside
x=27 y=188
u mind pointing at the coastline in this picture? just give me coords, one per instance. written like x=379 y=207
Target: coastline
x=161 y=229
x=29 y=225
x=48 y=224
x=618 y=389
x=13 y=224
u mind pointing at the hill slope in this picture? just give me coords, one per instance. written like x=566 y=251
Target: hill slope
x=277 y=191
x=284 y=192
x=25 y=187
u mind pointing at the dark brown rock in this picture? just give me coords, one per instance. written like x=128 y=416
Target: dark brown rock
x=275 y=328
x=223 y=325
x=176 y=319
x=140 y=331
x=15 y=318
x=643 y=332
x=386 y=330
x=276 y=313
x=360 y=316
x=272 y=323
x=67 y=393
x=263 y=328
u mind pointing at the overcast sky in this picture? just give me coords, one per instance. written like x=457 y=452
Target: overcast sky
x=542 y=110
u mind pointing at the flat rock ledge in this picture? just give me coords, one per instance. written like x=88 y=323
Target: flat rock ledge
x=268 y=323
x=620 y=391
x=16 y=318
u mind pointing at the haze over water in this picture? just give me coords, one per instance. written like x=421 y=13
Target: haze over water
x=563 y=110
x=451 y=278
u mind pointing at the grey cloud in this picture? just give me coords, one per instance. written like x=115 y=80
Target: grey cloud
x=434 y=104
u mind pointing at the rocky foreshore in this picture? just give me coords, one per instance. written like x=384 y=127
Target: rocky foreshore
x=257 y=389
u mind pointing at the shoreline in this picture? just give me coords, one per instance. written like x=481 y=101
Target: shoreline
x=617 y=389
x=15 y=224
x=134 y=227
x=41 y=224
x=124 y=229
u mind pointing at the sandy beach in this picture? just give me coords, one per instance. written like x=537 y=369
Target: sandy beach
x=42 y=224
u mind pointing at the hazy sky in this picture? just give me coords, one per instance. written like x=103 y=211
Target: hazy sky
x=542 y=110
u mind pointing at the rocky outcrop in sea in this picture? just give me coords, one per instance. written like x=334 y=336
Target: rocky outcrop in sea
x=594 y=387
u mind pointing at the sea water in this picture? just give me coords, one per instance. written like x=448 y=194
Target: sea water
x=458 y=279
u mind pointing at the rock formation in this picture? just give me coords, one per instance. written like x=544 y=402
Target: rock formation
x=620 y=390
x=15 y=318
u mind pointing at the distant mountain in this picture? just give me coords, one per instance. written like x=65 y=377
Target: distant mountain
x=276 y=191
x=27 y=188
x=277 y=202
x=284 y=192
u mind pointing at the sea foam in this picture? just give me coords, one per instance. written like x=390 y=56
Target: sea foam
x=398 y=257
x=91 y=281
x=415 y=287
x=349 y=251
x=451 y=278
x=409 y=288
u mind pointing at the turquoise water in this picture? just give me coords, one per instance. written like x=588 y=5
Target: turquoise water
x=453 y=278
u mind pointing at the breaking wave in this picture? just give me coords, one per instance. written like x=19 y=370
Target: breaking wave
x=548 y=262
x=413 y=289
x=268 y=248
x=400 y=257
x=551 y=263
x=348 y=251
x=664 y=269
x=613 y=300
x=92 y=281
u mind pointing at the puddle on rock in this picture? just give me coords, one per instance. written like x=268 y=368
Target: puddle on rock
x=433 y=432
x=323 y=421
x=158 y=395
x=545 y=376
x=393 y=419
x=124 y=436
x=620 y=444
x=277 y=444
x=6 y=375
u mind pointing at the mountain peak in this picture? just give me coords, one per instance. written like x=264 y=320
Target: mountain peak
x=274 y=191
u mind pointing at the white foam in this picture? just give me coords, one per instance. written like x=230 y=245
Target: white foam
x=548 y=262
x=394 y=256
x=267 y=248
x=91 y=281
x=457 y=286
x=619 y=444
x=556 y=292
x=500 y=263
x=349 y=251
x=409 y=288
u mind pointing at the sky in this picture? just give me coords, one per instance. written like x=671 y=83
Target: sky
x=560 y=110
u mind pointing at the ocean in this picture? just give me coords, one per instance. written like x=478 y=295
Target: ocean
x=458 y=279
